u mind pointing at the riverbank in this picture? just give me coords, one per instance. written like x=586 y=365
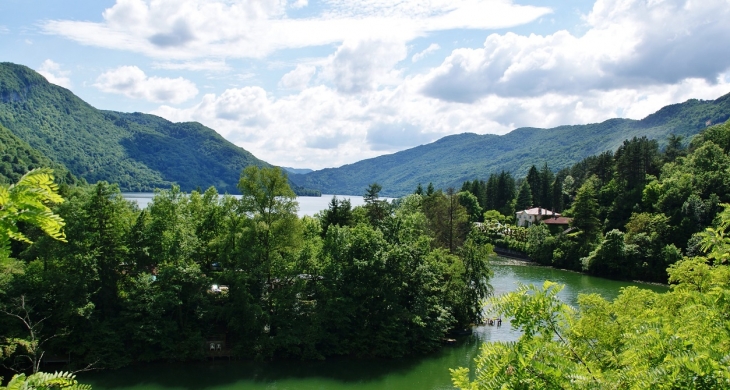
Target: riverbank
x=417 y=372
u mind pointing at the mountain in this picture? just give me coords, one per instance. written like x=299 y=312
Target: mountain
x=17 y=158
x=454 y=159
x=298 y=171
x=140 y=152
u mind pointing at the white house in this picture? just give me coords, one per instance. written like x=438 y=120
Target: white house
x=531 y=216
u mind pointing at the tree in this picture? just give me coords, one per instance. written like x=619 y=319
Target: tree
x=430 y=190
x=376 y=209
x=524 y=197
x=471 y=204
x=534 y=181
x=585 y=211
x=339 y=212
x=447 y=219
x=28 y=201
x=674 y=148
x=275 y=232
x=640 y=340
x=546 y=181
x=419 y=190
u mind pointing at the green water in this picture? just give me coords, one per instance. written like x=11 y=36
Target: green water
x=424 y=372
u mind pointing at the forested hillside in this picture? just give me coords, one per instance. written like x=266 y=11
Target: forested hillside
x=140 y=152
x=17 y=158
x=451 y=160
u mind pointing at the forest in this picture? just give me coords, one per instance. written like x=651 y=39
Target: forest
x=89 y=276
x=635 y=211
x=198 y=275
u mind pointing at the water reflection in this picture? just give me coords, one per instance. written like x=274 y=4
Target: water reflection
x=423 y=372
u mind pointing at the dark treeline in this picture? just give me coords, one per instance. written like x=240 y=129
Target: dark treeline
x=130 y=285
x=634 y=211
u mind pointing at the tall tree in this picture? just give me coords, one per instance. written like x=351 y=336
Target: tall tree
x=471 y=204
x=275 y=231
x=585 y=211
x=419 y=189
x=546 y=181
x=535 y=181
x=376 y=208
x=339 y=212
x=448 y=219
x=524 y=197
x=674 y=148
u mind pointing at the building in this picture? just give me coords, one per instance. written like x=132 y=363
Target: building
x=532 y=216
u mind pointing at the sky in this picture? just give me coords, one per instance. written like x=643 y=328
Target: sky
x=323 y=83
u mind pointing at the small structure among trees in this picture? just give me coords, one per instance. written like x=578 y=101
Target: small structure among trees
x=529 y=217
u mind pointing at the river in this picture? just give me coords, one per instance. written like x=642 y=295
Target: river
x=423 y=372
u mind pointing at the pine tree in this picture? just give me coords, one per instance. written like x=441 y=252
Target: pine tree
x=524 y=197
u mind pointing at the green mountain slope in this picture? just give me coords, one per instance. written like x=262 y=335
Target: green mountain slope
x=17 y=158
x=140 y=152
x=453 y=159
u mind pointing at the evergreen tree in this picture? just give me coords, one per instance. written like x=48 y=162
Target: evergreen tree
x=674 y=148
x=524 y=197
x=376 y=208
x=339 y=212
x=535 y=181
x=557 y=194
x=585 y=211
x=546 y=181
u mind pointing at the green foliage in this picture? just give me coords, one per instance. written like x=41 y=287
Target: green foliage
x=585 y=212
x=641 y=340
x=18 y=158
x=540 y=244
x=471 y=205
x=339 y=212
x=45 y=381
x=28 y=201
x=524 y=197
x=448 y=219
x=139 y=152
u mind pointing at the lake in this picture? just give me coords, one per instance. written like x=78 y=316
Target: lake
x=423 y=372
x=308 y=205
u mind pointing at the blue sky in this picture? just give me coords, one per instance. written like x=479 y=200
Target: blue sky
x=315 y=84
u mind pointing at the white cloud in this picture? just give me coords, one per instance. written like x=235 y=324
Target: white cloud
x=630 y=43
x=634 y=57
x=4 y=29
x=320 y=127
x=206 y=65
x=299 y=4
x=298 y=78
x=54 y=74
x=183 y=29
x=132 y=82
x=361 y=66
x=429 y=50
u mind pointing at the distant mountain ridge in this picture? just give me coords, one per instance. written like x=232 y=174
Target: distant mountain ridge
x=48 y=125
x=138 y=151
x=451 y=160
x=298 y=171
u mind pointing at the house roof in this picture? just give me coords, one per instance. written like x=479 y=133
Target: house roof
x=538 y=211
x=557 y=221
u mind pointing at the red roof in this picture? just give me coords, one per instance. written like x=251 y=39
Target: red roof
x=557 y=221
